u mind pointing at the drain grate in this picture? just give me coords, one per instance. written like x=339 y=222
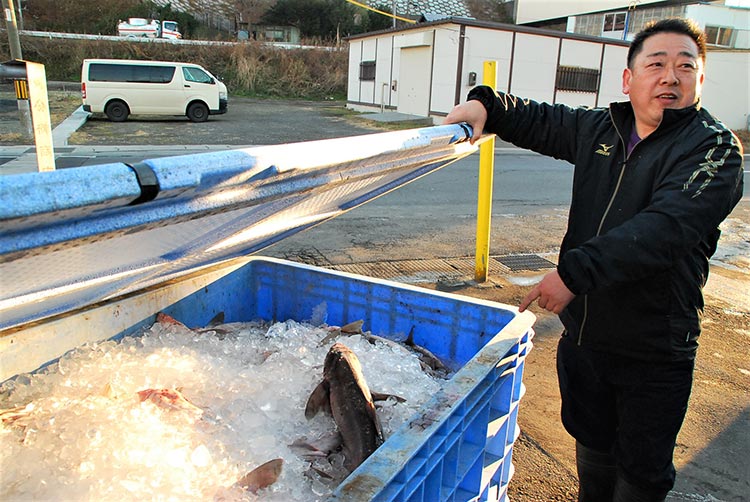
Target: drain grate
x=65 y=162
x=442 y=270
x=517 y=262
x=409 y=271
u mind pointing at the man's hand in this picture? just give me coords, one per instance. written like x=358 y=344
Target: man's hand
x=552 y=293
x=473 y=113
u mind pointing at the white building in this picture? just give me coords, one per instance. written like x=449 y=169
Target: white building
x=426 y=69
x=726 y=26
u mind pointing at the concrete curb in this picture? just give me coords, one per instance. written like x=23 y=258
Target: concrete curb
x=62 y=132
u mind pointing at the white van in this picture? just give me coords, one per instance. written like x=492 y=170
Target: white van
x=119 y=87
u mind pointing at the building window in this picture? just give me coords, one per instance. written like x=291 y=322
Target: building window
x=614 y=22
x=367 y=70
x=719 y=35
x=576 y=79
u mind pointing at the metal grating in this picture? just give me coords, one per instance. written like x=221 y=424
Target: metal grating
x=516 y=262
x=407 y=271
x=468 y=266
x=421 y=271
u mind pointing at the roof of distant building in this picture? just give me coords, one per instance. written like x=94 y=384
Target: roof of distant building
x=429 y=9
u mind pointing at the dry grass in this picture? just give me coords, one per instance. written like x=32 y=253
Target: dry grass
x=61 y=105
x=247 y=69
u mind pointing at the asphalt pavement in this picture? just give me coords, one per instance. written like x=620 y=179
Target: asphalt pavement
x=85 y=139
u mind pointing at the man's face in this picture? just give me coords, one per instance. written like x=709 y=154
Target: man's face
x=666 y=73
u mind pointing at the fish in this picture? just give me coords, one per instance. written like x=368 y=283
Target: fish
x=355 y=328
x=169 y=399
x=17 y=415
x=262 y=476
x=313 y=449
x=352 y=328
x=213 y=327
x=429 y=362
x=172 y=400
x=344 y=394
x=167 y=319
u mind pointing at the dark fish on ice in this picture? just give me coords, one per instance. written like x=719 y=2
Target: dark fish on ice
x=344 y=394
x=316 y=448
x=429 y=361
x=353 y=328
x=262 y=476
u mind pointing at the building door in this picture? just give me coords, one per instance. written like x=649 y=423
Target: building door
x=414 y=85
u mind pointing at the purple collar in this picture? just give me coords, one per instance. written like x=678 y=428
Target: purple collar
x=633 y=140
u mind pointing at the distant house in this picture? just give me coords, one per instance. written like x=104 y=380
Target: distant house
x=726 y=22
x=268 y=33
x=427 y=68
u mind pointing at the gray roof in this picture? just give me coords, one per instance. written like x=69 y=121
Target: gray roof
x=430 y=9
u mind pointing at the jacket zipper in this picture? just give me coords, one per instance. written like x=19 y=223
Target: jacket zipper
x=601 y=222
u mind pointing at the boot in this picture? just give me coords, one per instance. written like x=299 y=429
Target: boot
x=626 y=492
x=597 y=474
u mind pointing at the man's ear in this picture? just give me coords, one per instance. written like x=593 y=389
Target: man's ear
x=626 y=76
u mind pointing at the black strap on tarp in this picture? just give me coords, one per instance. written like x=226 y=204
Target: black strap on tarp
x=146 y=180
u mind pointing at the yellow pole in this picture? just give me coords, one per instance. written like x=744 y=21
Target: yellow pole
x=484 y=196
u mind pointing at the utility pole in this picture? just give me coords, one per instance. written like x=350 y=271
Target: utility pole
x=10 y=21
x=15 y=52
x=20 y=15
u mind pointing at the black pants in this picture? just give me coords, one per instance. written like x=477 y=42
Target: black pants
x=625 y=415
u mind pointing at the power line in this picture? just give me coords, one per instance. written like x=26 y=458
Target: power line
x=394 y=16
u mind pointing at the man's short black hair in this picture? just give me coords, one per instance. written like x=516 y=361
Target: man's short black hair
x=671 y=25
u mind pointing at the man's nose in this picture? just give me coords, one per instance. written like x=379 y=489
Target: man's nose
x=669 y=77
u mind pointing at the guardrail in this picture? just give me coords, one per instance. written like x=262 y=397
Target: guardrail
x=142 y=40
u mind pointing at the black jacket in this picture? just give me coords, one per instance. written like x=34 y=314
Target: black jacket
x=641 y=228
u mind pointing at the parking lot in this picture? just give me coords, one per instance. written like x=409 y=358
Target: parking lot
x=247 y=122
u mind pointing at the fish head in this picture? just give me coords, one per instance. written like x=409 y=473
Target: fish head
x=341 y=362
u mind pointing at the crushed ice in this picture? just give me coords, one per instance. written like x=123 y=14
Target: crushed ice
x=79 y=430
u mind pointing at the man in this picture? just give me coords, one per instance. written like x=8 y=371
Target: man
x=654 y=177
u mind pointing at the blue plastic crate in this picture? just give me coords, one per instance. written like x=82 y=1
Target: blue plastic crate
x=458 y=447
x=174 y=234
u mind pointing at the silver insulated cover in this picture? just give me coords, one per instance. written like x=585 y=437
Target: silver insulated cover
x=73 y=237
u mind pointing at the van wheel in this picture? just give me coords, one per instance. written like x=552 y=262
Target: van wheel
x=197 y=112
x=117 y=111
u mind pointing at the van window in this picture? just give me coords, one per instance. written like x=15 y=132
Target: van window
x=109 y=72
x=196 y=75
